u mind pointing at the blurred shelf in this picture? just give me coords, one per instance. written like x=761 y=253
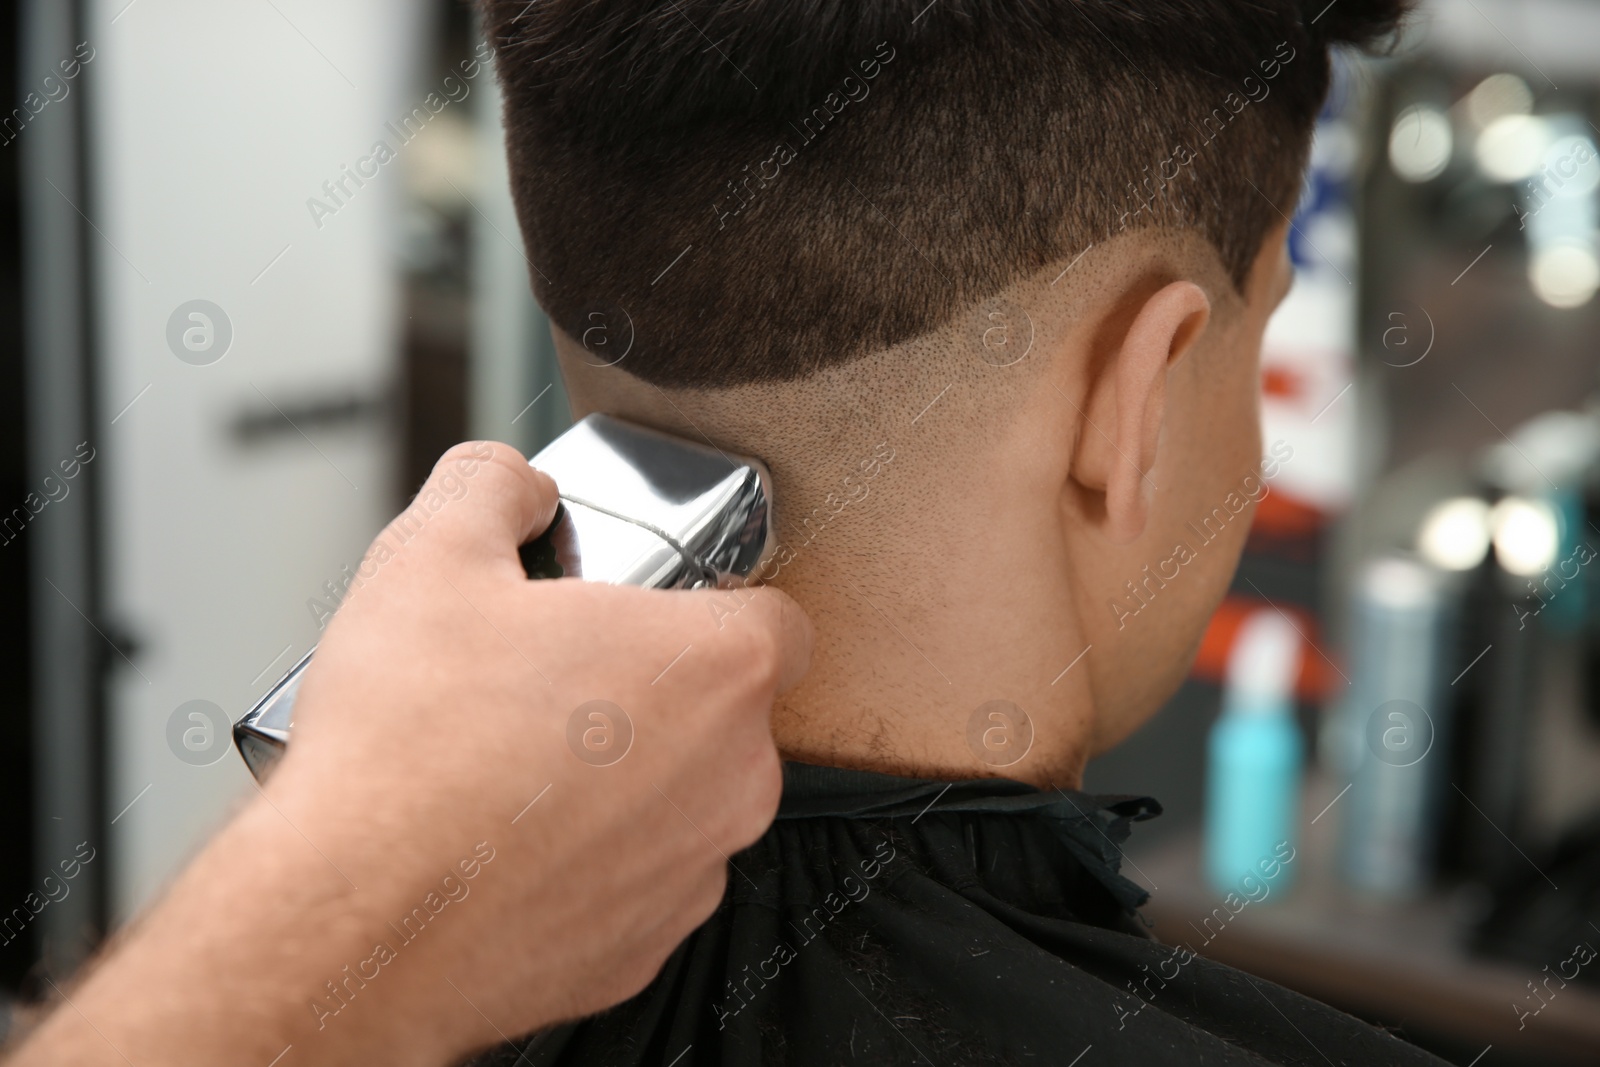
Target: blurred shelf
x=1400 y=964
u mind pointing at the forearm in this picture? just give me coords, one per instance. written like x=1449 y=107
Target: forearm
x=314 y=928
x=231 y=965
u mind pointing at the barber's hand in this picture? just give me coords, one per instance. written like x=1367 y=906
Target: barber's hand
x=444 y=859
x=452 y=682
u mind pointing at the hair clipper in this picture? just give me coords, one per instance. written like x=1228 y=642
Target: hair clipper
x=638 y=507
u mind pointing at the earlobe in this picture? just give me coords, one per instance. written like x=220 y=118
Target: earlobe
x=1127 y=405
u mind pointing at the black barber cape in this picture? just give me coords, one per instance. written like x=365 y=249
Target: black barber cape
x=886 y=920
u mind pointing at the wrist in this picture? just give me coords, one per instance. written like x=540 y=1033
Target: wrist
x=316 y=927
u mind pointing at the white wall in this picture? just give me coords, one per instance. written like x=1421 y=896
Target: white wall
x=212 y=124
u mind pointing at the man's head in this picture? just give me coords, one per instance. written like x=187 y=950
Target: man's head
x=983 y=282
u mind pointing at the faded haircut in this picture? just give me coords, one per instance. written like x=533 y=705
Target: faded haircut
x=753 y=190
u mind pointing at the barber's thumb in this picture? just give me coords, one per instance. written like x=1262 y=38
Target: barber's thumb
x=483 y=498
x=778 y=613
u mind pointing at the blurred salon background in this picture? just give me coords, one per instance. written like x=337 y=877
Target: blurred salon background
x=259 y=266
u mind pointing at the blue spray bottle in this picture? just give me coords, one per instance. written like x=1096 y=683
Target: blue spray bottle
x=1255 y=758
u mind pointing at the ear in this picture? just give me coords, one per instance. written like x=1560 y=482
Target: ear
x=1126 y=403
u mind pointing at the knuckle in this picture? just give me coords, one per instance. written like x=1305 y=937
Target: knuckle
x=463 y=450
x=503 y=462
x=468 y=458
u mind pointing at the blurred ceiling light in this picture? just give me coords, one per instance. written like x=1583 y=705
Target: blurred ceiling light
x=1559 y=446
x=1454 y=535
x=1496 y=96
x=1512 y=147
x=1526 y=535
x=1570 y=166
x=1564 y=275
x=1420 y=143
x=1398 y=583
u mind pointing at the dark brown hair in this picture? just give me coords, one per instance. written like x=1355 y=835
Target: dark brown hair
x=756 y=189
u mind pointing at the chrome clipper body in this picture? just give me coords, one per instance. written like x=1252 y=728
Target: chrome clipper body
x=638 y=507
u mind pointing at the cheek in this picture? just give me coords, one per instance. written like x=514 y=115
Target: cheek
x=1231 y=433
x=1211 y=441
x=1213 y=436
x=1216 y=439
x=1233 y=409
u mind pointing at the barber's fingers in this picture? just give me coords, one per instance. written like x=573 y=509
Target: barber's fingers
x=482 y=499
